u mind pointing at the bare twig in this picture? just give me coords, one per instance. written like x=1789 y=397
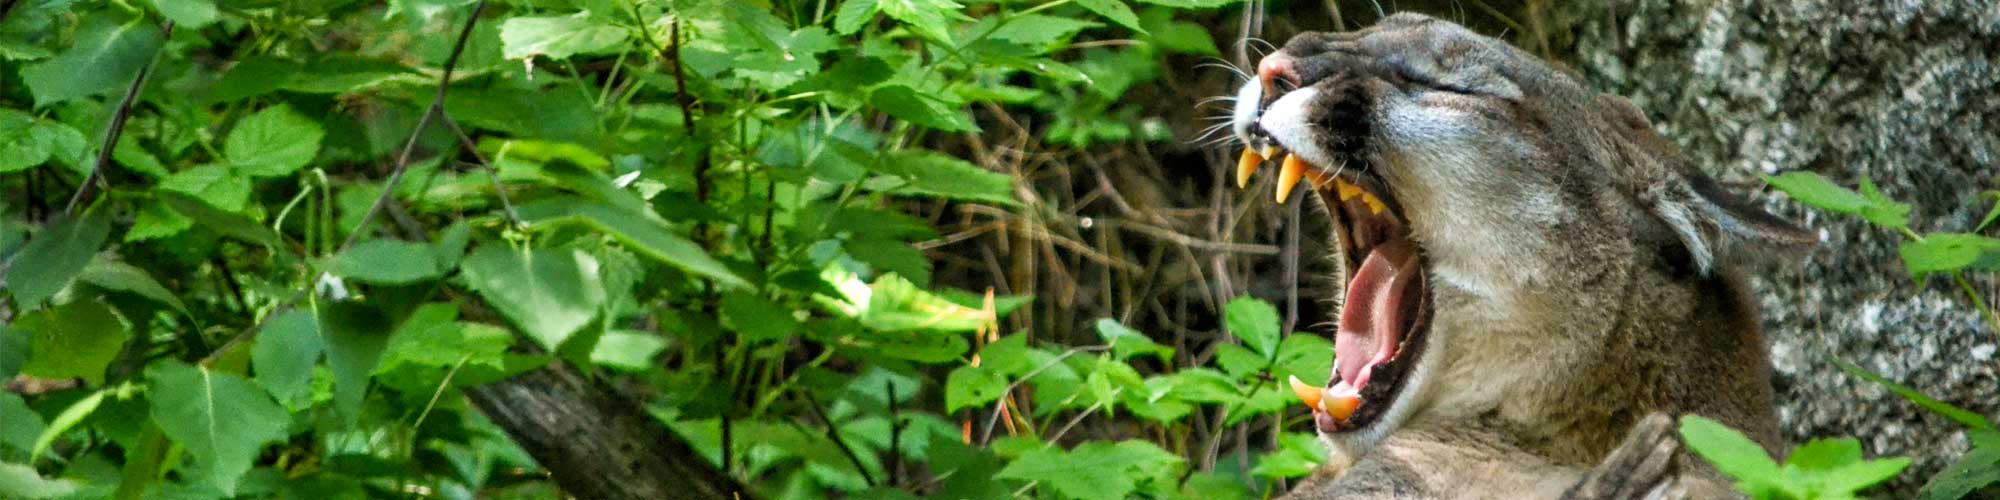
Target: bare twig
x=117 y=126
x=388 y=188
x=833 y=432
x=492 y=173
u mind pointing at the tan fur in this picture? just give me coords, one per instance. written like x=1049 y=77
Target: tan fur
x=1582 y=271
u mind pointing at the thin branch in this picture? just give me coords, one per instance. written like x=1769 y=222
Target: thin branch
x=492 y=173
x=117 y=126
x=388 y=188
x=410 y=146
x=833 y=432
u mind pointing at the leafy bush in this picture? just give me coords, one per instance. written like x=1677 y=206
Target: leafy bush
x=1833 y=468
x=263 y=249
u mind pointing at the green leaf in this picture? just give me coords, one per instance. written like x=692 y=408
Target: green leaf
x=1041 y=31
x=907 y=104
x=641 y=232
x=1735 y=455
x=21 y=147
x=224 y=223
x=272 y=143
x=1298 y=455
x=214 y=185
x=66 y=420
x=1176 y=36
x=55 y=257
x=1964 y=417
x=1092 y=471
x=930 y=18
x=1814 y=190
x=355 y=335
x=108 y=54
x=1204 y=385
x=23 y=424
x=187 y=14
x=1978 y=469
x=1255 y=322
x=628 y=350
x=386 y=261
x=557 y=37
x=1860 y=475
x=1238 y=361
x=930 y=173
x=1126 y=342
x=21 y=481
x=853 y=15
x=971 y=386
x=1945 y=252
x=548 y=293
x=1825 y=454
x=116 y=275
x=757 y=319
x=1191 y=4
x=285 y=354
x=1116 y=11
x=1991 y=215
x=221 y=419
x=77 y=339
x=156 y=220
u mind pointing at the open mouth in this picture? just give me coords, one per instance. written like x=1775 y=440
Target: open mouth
x=1386 y=310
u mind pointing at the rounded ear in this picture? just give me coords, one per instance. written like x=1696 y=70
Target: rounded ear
x=1718 y=225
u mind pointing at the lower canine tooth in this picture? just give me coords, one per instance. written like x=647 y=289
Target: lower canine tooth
x=1289 y=173
x=1307 y=393
x=1246 y=165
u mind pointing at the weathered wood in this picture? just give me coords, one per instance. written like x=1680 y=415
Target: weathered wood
x=596 y=442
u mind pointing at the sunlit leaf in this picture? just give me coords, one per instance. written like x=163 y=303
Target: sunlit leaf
x=273 y=142
x=221 y=419
x=548 y=293
x=557 y=37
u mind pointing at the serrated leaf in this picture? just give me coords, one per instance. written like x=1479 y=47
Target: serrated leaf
x=116 y=275
x=224 y=223
x=273 y=142
x=1092 y=471
x=108 y=53
x=557 y=37
x=1192 y=4
x=853 y=15
x=386 y=261
x=1126 y=342
x=1041 y=31
x=1825 y=454
x=1978 y=469
x=189 y=14
x=640 y=232
x=20 y=147
x=221 y=419
x=930 y=18
x=756 y=318
x=1815 y=190
x=548 y=293
x=285 y=354
x=905 y=103
x=1860 y=475
x=214 y=185
x=1254 y=322
x=932 y=174
x=1116 y=11
x=77 y=339
x=970 y=386
x=1735 y=455
x=55 y=257
x=1945 y=252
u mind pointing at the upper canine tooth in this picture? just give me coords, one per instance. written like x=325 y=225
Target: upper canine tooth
x=1246 y=165
x=1289 y=173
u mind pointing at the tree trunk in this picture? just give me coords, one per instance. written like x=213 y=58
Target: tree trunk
x=597 y=443
x=1899 y=92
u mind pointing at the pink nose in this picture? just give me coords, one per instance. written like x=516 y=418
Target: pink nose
x=1273 y=68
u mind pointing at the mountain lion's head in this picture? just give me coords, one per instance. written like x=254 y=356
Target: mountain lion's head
x=1512 y=243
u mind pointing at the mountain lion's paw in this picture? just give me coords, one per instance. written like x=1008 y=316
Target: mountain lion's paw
x=1641 y=467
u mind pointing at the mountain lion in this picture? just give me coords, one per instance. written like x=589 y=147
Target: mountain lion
x=1536 y=282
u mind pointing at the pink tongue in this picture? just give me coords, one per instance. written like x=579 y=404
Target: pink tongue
x=1371 y=320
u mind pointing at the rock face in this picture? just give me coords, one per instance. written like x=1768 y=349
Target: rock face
x=1906 y=93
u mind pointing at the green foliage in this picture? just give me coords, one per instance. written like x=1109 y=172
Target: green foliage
x=289 y=274
x=1820 y=469
x=1951 y=254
